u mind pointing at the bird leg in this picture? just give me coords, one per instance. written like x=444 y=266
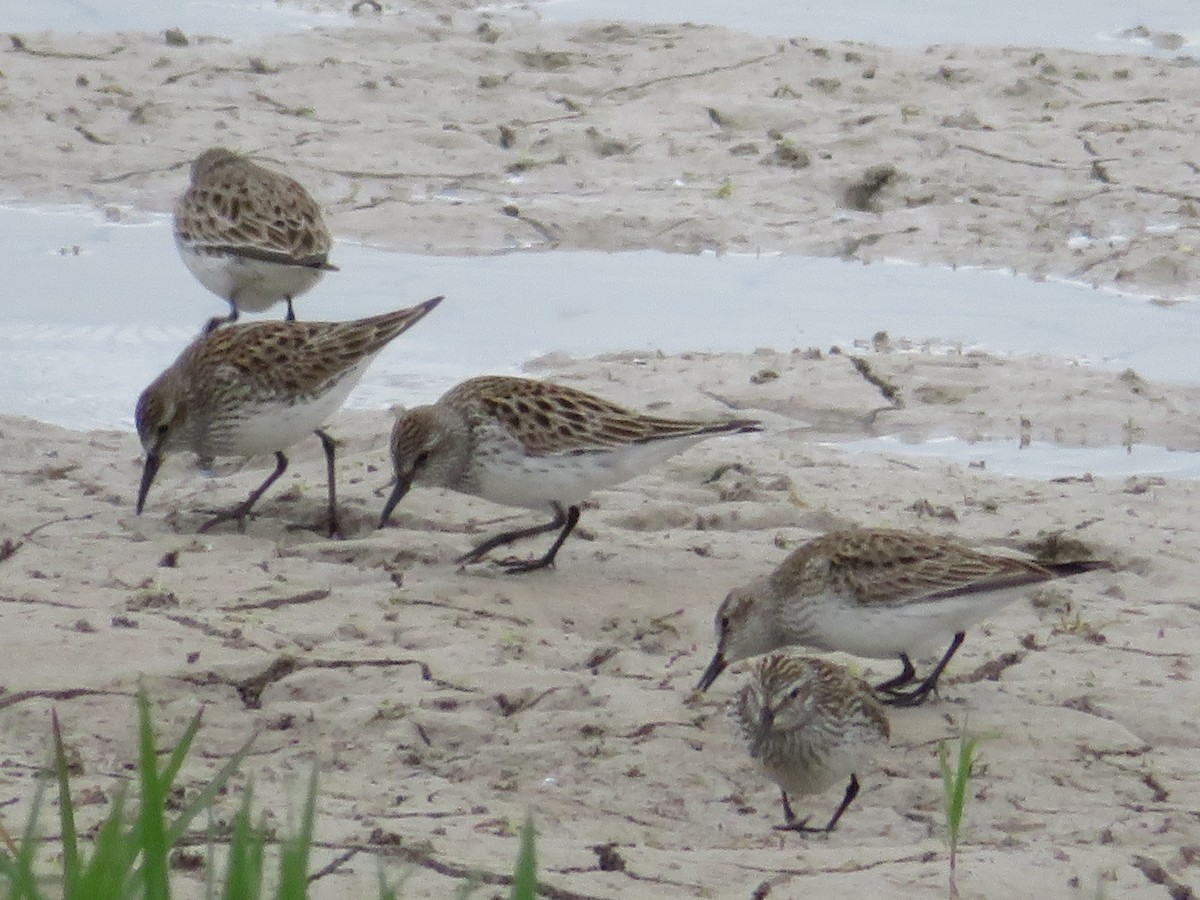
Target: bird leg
x=291 y=316
x=905 y=677
x=564 y=520
x=802 y=825
x=216 y=321
x=847 y=798
x=242 y=510
x=516 y=566
x=480 y=551
x=335 y=527
x=789 y=815
x=921 y=692
x=791 y=823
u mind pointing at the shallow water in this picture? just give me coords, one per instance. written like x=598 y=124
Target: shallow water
x=120 y=306
x=230 y=18
x=1093 y=25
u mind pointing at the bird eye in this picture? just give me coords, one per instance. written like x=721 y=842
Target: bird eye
x=422 y=458
x=724 y=623
x=162 y=429
x=794 y=693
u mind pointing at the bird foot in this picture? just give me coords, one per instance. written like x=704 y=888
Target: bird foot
x=906 y=699
x=514 y=566
x=332 y=530
x=801 y=826
x=238 y=514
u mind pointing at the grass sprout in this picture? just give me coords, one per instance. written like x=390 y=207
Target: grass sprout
x=955 y=781
x=127 y=856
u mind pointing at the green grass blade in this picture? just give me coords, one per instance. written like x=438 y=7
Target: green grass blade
x=175 y=760
x=243 y=868
x=948 y=790
x=525 y=877
x=23 y=881
x=210 y=880
x=295 y=850
x=150 y=833
x=204 y=800
x=954 y=784
x=66 y=811
x=966 y=751
x=113 y=855
x=386 y=891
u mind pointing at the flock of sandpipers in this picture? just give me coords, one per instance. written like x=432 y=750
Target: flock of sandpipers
x=256 y=237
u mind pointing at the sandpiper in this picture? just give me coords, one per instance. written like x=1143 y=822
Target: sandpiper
x=878 y=593
x=534 y=444
x=810 y=724
x=242 y=390
x=250 y=235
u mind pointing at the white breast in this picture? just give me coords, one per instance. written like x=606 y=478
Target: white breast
x=253 y=284
x=503 y=473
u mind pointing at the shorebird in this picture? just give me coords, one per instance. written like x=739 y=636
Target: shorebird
x=810 y=724
x=246 y=389
x=533 y=444
x=875 y=592
x=251 y=236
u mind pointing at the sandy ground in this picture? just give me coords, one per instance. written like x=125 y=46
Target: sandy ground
x=441 y=703
x=442 y=130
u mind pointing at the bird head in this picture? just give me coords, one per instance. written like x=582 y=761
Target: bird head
x=742 y=628
x=159 y=418
x=428 y=446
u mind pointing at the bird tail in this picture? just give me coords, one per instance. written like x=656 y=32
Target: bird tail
x=379 y=330
x=1077 y=567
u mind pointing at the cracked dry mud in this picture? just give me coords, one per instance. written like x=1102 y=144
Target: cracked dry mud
x=442 y=702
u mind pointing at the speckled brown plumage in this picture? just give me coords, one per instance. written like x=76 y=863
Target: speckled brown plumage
x=523 y=442
x=242 y=390
x=548 y=418
x=236 y=206
x=876 y=592
x=250 y=235
x=889 y=566
x=810 y=724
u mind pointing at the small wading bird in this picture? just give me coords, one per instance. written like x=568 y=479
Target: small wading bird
x=810 y=724
x=243 y=390
x=251 y=236
x=533 y=444
x=879 y=593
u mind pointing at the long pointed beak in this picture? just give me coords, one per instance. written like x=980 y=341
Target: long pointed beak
x=398 y=492
x=715 y=668
x=153 y=461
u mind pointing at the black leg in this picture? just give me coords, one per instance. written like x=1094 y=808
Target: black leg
x=291 y=316
x=802 y=826
x=847 y=799
x=515 y=567
x=242 y=510
x=216 y=321
x=335 y=528
x=479 y=552
x=788 y=815
x=790 y=822
x=921 y=692
x=564 y=520
x=900 y=680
